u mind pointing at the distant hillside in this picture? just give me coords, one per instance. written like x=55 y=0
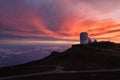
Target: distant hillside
x=89 y=56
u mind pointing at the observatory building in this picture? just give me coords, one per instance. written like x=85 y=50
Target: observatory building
x=84 y=39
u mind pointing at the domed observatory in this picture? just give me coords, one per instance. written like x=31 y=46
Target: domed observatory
x=84 y=38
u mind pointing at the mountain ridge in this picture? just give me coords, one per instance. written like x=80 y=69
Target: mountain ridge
x=79 y=54
x=98 y=56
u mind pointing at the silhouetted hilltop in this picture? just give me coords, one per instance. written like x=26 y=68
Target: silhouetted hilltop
x=93 y=56
x=87 y=56
x=106 y=45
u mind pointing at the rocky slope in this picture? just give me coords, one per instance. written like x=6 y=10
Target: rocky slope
x=94 y=56
x=89 y=56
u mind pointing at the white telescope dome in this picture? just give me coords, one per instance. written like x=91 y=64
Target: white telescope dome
x=83 y=38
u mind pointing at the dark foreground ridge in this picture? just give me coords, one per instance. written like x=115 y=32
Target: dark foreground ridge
x=99 y=60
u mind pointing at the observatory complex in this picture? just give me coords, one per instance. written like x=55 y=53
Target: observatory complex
x=84 y=39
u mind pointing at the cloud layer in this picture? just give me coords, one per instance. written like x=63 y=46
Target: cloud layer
x=60 y=19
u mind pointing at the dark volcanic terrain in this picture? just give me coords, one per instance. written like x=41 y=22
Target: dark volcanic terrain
x=100 y=60
x=89 y=56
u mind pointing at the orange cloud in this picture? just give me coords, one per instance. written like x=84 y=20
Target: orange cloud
x=26 y=21
x=99 y=29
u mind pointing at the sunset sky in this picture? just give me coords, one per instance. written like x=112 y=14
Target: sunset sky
x=58 y=20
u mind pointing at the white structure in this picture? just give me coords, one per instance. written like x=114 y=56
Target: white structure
x=84 y=39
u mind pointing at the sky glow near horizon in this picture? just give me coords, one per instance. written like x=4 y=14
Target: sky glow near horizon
x=60 y=20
